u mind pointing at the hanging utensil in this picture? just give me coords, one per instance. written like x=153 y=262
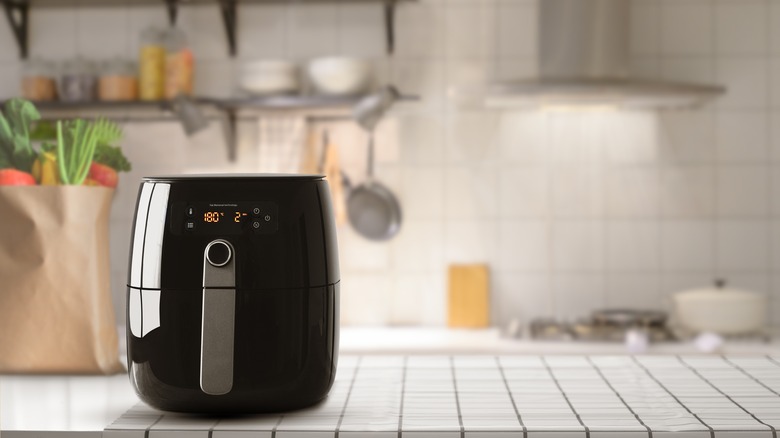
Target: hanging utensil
x=372 y=208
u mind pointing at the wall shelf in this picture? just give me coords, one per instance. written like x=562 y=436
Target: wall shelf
x=226 y=110
x=17 y=13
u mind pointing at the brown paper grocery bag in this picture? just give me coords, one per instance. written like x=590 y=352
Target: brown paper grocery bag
x=56 y=314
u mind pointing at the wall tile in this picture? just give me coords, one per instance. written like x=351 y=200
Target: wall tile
x=422 y=78
x=479 y=19
x=517 y=29
x=742 y=246
x=422 y=196
x=11 y=85
x=745 y=80
x=742 y=192
x=471 y=192
x=632 y=192
x=687 y=27
x=742 y=137
x=421 y=139
x=360 y=254
x=633 y=246
x=577 y=295
x=112 y=24
x=418 y=248
x=419 y=299
x=577 y=192
x=686 y=137
x=741 y=27
x=520 y=296
x=523 y=138
x=361 y=30
x=262 y=31
x=315 y=30
x=470 y=241
x=579 y=138
x=366 y=299
x=631 y=138
x=523 y=246
x=687 y=192
x=578 y=246
x=419 y=30
x=472 y=137
x=688 y=246
x=9 y=51
x=524 y=193
x=672 y=283
x=633 y=291
x=53 y=33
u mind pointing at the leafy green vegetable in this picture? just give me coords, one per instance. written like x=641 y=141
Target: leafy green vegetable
x=112 y=157
x=44 y=130
x=15 y=146
x=76 y=144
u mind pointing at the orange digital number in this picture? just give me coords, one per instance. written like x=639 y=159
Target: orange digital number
x=238 y=217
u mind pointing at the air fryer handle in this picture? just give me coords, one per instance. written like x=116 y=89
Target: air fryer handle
x=218 y=318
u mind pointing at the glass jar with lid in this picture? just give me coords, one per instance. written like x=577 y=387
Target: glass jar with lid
x=38 y=80
x=78 y=81
x=118 y=81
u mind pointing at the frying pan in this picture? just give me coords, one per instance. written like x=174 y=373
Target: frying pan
x=372 y=208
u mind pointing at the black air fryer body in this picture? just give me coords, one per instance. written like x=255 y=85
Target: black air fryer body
x=233 y=293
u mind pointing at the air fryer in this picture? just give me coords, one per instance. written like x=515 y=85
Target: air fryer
x=233 y=293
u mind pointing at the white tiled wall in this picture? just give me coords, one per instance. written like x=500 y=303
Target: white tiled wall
x=572 y=211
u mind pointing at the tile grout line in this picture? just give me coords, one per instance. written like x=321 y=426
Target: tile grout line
x=457 y=398
x=622 y=400
x=565 y=397
x=712 y=431
x=511 y=397
x=695 y=371
x=146 y=432
x=349 y=393
x=403 y=395
x=749 y=375
x=276 y=426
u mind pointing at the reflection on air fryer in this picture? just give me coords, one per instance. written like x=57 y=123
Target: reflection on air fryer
x=223 y=297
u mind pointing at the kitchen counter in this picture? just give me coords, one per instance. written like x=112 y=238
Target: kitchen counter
x=436 y=396
x=429 y=340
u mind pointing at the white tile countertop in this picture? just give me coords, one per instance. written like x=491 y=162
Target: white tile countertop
x=444 y=396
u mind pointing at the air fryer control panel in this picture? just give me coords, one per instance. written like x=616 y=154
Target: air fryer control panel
x=207 y=218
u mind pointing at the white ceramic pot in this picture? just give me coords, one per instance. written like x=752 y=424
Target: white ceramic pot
x=269 y=77
x=720 y=310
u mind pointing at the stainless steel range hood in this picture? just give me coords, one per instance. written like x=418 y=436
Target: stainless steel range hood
x=584 y=60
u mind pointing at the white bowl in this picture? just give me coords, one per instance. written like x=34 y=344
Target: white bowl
x=269 y=77
x=340 y=75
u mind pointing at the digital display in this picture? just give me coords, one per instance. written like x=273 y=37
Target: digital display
x=215 y=218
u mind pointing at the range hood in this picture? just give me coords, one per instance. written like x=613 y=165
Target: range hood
x=584 y=61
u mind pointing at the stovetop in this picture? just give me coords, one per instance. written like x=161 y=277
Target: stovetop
x=528 y=396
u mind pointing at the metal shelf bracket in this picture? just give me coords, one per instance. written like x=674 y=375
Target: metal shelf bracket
x=390 y=25
x=229 y=19
x=18 y=13
x=172 y=7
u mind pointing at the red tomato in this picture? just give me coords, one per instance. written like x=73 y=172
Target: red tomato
x=13 y=177
x=103 y=175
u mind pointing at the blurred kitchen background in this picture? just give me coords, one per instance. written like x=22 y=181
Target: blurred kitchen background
x=570 y=210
